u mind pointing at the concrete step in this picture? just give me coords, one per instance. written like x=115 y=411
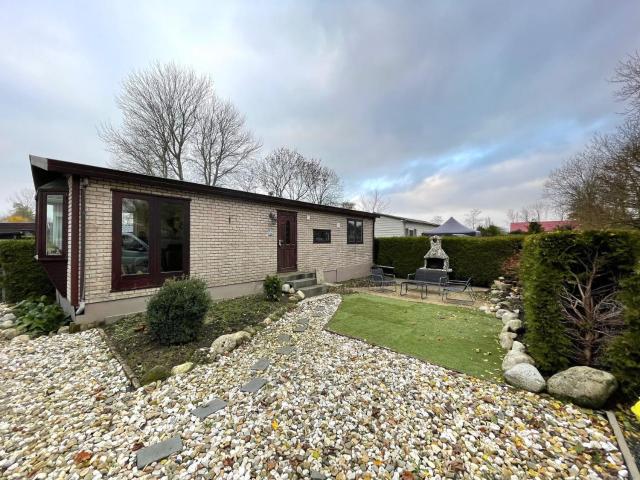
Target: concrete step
x=314 y=290
x=303 y=282
x=289 y=277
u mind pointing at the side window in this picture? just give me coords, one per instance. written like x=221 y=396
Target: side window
x=355 y=230
x=55 y=225
x=321 y=236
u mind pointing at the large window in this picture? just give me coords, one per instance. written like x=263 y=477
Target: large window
x=321 y=236
x=54 y=225
x=150 y=239
x=354 y=231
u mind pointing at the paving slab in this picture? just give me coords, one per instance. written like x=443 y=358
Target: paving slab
x=253 y=385
x=262 y=364
x=300 y=328
x=285 y=350
x=158 y=451
x=284 y=338
x=317 y=475
x=207 y=409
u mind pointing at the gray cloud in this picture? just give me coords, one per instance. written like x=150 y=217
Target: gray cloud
x=405 y=95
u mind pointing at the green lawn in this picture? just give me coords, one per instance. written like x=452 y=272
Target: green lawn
x=458 y=338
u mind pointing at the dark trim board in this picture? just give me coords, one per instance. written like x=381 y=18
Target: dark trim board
x=43 y=168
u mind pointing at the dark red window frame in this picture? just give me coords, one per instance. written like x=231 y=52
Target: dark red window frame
x=41 y=225
x=155 y=277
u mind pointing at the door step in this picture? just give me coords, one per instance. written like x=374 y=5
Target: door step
x=289 y=277
x=314 y=290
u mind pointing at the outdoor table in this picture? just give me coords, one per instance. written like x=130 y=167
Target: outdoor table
x=422 y=286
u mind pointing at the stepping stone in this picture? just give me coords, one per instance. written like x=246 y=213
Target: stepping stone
x=158 y=451
x=208 y=408
x=285 y=350
x=261 y=364
x=317 y=475
x=284 y=338
x=300 y=328
x=253 y=385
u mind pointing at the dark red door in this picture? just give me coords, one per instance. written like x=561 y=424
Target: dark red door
x=287 y=241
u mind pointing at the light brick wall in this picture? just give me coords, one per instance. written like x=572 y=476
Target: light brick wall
x=232 y=241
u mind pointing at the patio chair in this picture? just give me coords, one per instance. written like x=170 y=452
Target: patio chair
x=381 y=280
x=457 y=286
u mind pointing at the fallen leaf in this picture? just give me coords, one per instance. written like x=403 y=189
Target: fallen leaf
x=275 y=424
x=228 y=462
x=82 y=456
x=137 y=446
x=407 y=475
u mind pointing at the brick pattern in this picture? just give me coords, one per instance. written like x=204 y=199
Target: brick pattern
x=232 y=241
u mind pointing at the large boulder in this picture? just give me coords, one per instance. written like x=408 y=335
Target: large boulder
x=9 y=333
x=512 y=358
x=513 y=325
x=508 y=316
x=285 y=288
x=182 y=368
x=8 y=317
x=584 y=386
x=300 y=294
x=226 y=343
x=518 y=347
x=506 y=340
x=500 y=312
x=525 y=376
x=21 y=339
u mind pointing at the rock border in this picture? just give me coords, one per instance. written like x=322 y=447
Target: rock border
x=128 y=372
x=624 y=448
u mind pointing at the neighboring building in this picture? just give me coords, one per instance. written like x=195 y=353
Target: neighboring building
x=453 y=227
x=547 y=226
x=392 y=226
x=108 y=239
x=17 y=230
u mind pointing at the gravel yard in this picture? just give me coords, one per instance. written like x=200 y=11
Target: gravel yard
x=334 y=406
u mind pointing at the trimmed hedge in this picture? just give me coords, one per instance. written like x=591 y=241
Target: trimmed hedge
x=547 y=262
x=23 y=276
x=481 y=258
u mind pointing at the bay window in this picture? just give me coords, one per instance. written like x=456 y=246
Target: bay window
x=150 y=240
x=52 y=225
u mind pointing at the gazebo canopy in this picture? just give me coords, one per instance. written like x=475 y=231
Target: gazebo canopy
x=451 y=227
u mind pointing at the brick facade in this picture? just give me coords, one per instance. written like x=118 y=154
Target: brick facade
x=232 y=241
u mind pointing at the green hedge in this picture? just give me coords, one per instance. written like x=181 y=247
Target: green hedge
x=481 y=258
x=23 y=276
x=548 y=261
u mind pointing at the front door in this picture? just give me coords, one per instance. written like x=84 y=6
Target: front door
x=287 y=241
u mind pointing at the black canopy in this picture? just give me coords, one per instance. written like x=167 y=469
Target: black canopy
x=451 y=227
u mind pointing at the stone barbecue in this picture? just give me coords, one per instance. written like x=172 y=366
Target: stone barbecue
x=436 y=261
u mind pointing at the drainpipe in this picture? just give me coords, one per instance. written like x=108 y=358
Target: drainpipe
x=83 y=186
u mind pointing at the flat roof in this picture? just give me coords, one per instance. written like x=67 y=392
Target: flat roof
x=408 y=219
x=39 y=165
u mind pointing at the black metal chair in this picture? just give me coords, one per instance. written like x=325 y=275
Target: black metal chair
x=381 y=280
x=457 y=286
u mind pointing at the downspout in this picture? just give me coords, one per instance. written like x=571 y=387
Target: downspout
x=83 y=186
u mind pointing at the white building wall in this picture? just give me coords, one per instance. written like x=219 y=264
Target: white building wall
x=388 y=227
x=419 y=227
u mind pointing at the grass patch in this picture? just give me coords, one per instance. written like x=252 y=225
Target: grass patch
x=132 y=340
x=458 y=338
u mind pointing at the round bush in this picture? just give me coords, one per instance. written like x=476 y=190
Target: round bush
x=175 y=313
x=272 y=287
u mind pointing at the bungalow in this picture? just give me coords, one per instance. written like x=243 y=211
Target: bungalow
x=393 y=226
x=108 y=239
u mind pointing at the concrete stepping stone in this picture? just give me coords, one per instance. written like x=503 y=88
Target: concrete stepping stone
x=262 y=364
x=317 y=475
x=253 y=385
x=300 y=328
x=284 y=338
x=285 y=350
x=207 y=409
x=158 y=451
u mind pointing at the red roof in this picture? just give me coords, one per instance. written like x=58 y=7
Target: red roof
x=547 y=226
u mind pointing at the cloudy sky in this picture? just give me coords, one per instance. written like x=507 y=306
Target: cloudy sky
x=445 y=106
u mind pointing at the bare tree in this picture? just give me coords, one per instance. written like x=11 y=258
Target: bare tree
x=23 y=206
x=538 y=211
x=325 y=187
x=473 y=217
x=512 y=215
x=279 y=174
x=592 y=315
x=221 y=142
x=373 y=201
x=437 y=219
x=160 y=109
x=627 y=76
x=348 y=204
